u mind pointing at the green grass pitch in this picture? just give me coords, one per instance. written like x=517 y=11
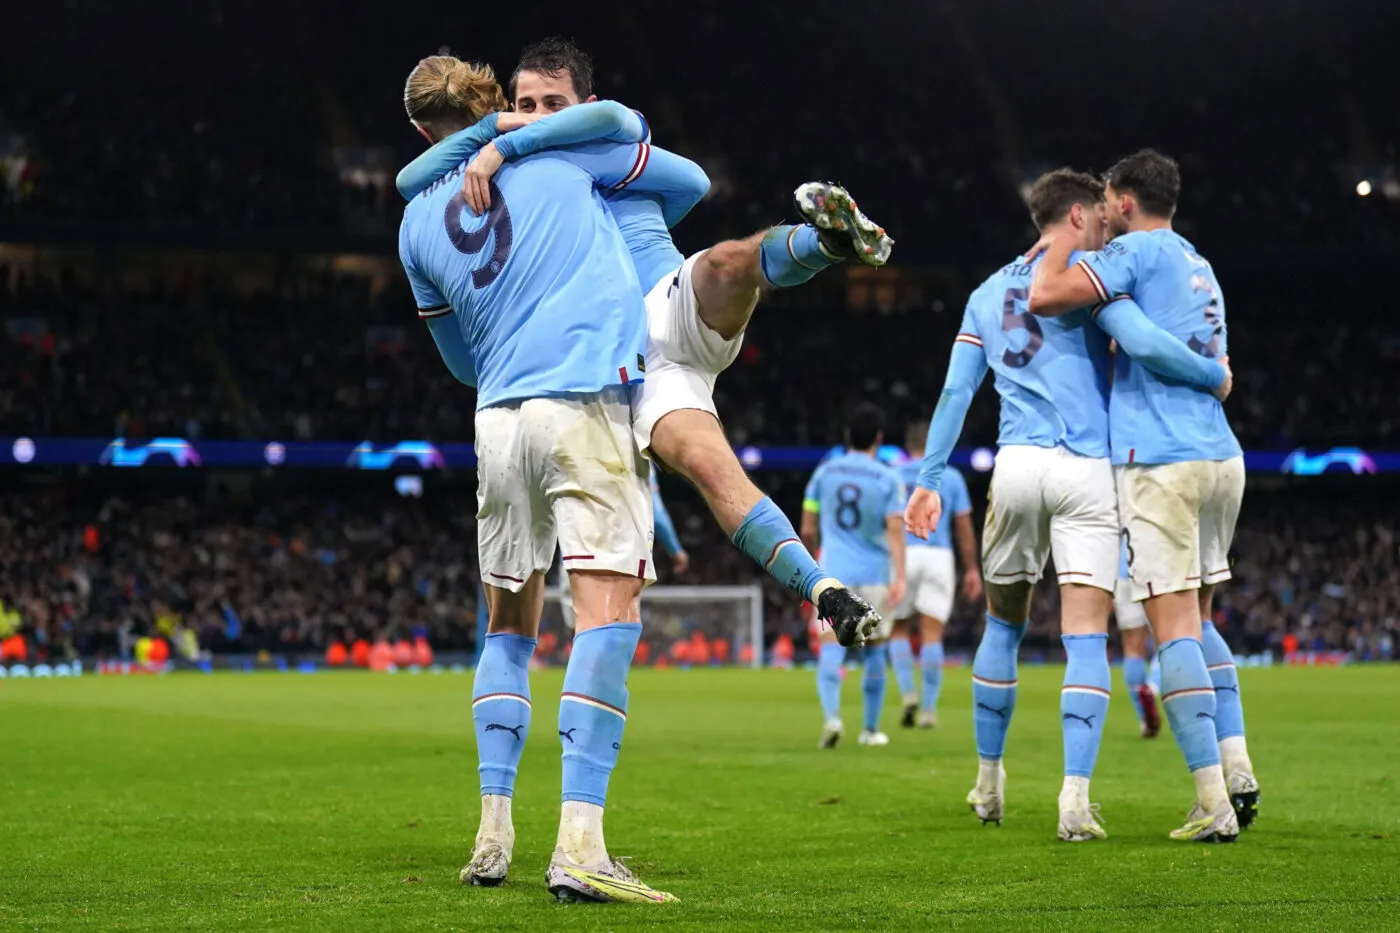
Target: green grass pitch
x=348 y=801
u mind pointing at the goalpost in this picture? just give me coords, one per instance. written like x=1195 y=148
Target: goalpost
x=732 y=615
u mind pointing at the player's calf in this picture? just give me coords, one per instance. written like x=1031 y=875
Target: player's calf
x=501 y=718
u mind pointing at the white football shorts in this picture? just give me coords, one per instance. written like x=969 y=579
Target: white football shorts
x=1179 y=522
x=1050 y=500
x=561 y=470
x=930 y=575
x=684 y=357
x=1128 y=613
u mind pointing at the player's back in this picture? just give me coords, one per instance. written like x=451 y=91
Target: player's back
x=854 y=494
x=1051 y=373
x=956 y=501
x=1154 y=419
x=542 y=286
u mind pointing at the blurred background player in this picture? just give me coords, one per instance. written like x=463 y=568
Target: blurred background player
x=557 y=281
x=1133 y=631
x=930 y=583
x=851 y=511
x=1051 y=490
x=697 y=307
x=664 y=534
x=1179 y=470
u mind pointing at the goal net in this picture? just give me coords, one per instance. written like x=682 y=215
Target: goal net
x=680 y=625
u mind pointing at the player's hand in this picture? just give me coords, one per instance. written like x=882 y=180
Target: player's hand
x=1041 y=245
x=476 y=180
x=511 y=120
x=895 y=596
x=972 y=584
x=1223 y=390
x=680 y=563
x=921 y=514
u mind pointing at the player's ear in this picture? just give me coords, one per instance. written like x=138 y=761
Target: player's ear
x=1076 y=216
x=426 y=135
x=591 y=98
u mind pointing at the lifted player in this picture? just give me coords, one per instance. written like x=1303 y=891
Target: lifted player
x=697 y=307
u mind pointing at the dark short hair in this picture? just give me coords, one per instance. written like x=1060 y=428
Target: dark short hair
x=557 y=56
x=1150 y=177
x=1054 y=193
x=864 y=424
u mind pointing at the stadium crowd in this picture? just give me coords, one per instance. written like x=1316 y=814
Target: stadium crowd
x=290 y=571
x=341 y=365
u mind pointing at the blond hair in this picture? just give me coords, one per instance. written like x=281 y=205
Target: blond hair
x=444 y=94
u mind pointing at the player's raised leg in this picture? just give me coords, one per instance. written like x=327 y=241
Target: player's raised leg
x=690 y=442
x=994 y=679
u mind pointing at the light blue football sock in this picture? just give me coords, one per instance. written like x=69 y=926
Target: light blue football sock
x=1189 y=700
x=792 y=254
x=1135 y=675
x=1084 y=701
x=593 y=708
x=877 y=659
x=1154 y=674
x=931 y=664
x=829 y=661
x=501 y=709
x=1229 y=708
x=902 y=660
x=768 y=537
x=994 y=685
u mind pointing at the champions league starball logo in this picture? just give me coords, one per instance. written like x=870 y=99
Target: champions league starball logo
x=175 y=450
x=425 y=455
x=1352 y=459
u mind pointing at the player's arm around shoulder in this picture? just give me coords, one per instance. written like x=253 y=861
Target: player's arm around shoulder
x=1057 y=286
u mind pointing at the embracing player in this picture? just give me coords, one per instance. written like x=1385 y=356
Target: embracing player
x=697 y=307
x=930 y=584
x=539 y=298
x=1180 y=474
x=851 y=510
x=1051 y=491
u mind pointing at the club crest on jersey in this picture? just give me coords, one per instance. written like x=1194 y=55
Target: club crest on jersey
x=641 y=363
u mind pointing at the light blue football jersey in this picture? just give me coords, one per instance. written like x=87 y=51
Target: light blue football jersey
x=956 y=501
x=1154 y=419
x=853 y=495
x=542 y=288
x=1051 y=373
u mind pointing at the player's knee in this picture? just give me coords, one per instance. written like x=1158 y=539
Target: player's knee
x=731 y=264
